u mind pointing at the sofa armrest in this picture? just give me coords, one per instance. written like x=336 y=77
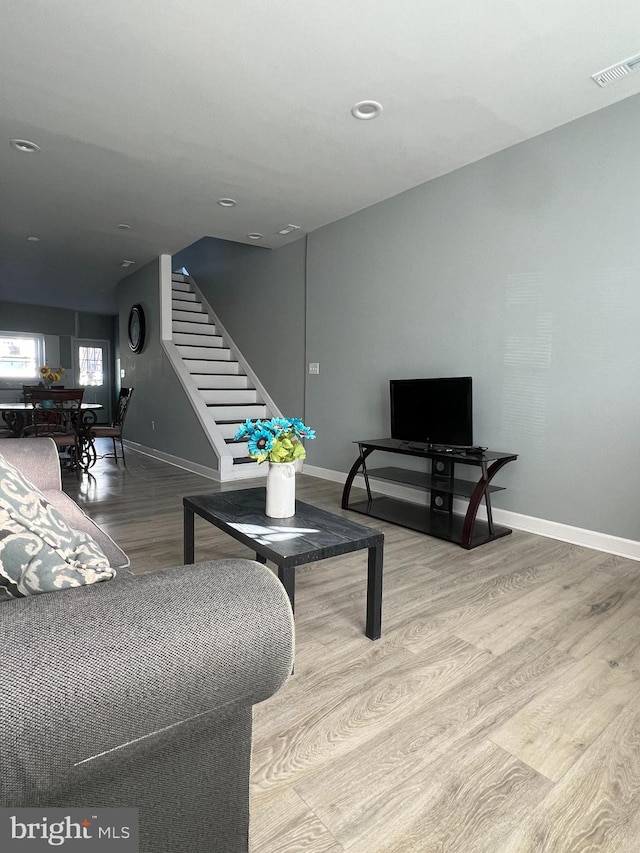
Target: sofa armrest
x=92 y=669
x=37 y=459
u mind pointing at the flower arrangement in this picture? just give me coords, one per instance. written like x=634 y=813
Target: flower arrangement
x=277 y=440
x=49 y=375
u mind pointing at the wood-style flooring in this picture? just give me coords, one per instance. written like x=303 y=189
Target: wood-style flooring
x=498 y=713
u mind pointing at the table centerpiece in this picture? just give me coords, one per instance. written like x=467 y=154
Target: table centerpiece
x=279 y=442
x=50 y=375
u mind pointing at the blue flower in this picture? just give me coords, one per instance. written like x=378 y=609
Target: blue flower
x=302 y=430
x=278 y=425
x=278 y=439
x=260 y=443
x=245 y=429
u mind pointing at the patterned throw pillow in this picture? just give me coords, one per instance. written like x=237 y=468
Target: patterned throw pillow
x=39 y=552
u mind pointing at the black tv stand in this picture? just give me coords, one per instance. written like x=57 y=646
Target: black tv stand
x=438 y=518
x=444 y=448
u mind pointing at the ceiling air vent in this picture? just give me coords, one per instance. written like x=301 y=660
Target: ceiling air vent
x=610 y=75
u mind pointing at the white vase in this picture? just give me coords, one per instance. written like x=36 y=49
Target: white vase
x=281 y=490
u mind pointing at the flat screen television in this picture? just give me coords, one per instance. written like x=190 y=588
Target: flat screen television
x=432 y=411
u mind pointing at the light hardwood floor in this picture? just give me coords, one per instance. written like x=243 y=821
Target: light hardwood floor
x=498 y=713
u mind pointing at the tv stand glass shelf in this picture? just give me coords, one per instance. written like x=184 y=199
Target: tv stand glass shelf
x=439 y=479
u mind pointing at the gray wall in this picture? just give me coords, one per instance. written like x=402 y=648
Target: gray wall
x=522 y=270
x=158 y=396
x=258 y=294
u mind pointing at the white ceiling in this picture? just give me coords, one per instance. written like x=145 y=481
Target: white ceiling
x=148 y=111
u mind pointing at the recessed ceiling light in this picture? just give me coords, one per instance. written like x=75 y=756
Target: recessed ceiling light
x=24 y=145
x=288 y=229
x=124 y=227
x=255 y=236
x=33 y=239
x=365 y=110
x=126 y=264
x=227 y=202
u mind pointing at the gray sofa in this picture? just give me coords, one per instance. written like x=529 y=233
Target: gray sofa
x=138 y=691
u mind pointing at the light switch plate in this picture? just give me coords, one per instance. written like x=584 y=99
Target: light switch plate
x=314 y=367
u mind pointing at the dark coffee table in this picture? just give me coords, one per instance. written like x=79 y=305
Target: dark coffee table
x=311 y=535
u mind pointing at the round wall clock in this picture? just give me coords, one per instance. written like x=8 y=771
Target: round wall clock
x=136 y=328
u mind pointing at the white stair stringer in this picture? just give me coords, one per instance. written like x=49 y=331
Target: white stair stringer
x=219 y=382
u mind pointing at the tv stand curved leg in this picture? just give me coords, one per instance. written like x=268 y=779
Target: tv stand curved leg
x=359 y=463
x=481 y=491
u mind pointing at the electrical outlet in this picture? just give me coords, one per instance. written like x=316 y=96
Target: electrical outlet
x=314 y=367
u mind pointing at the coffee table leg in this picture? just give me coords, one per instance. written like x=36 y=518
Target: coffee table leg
x=374 y=593
x=287 y=578
x=188 y=537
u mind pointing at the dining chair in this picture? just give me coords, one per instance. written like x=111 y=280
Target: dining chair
x=27 y=390
x=114 y=431
x=56 y=414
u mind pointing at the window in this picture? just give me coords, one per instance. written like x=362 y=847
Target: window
x=21 y=356
x=91 y=369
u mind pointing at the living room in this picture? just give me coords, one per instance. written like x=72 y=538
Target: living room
x=515 y=270
x=497 y=712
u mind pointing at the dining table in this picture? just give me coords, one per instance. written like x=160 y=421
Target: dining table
x=17 y=416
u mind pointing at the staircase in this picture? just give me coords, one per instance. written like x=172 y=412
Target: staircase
x=217 y=376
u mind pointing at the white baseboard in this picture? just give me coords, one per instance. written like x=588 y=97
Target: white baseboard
x=185 y=464
x=543 y=527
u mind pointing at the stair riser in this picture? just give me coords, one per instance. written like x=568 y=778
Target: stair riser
x=180 y=303
x=217 y=380
x=191 y=328
x=213 y=353
x=248 y=471
x=189 y=315
x=229 y=430
x=201 y=341
x=238 y=413
x=239 y=450
x=229 y=396
x=211 y=367
x=182 y=287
